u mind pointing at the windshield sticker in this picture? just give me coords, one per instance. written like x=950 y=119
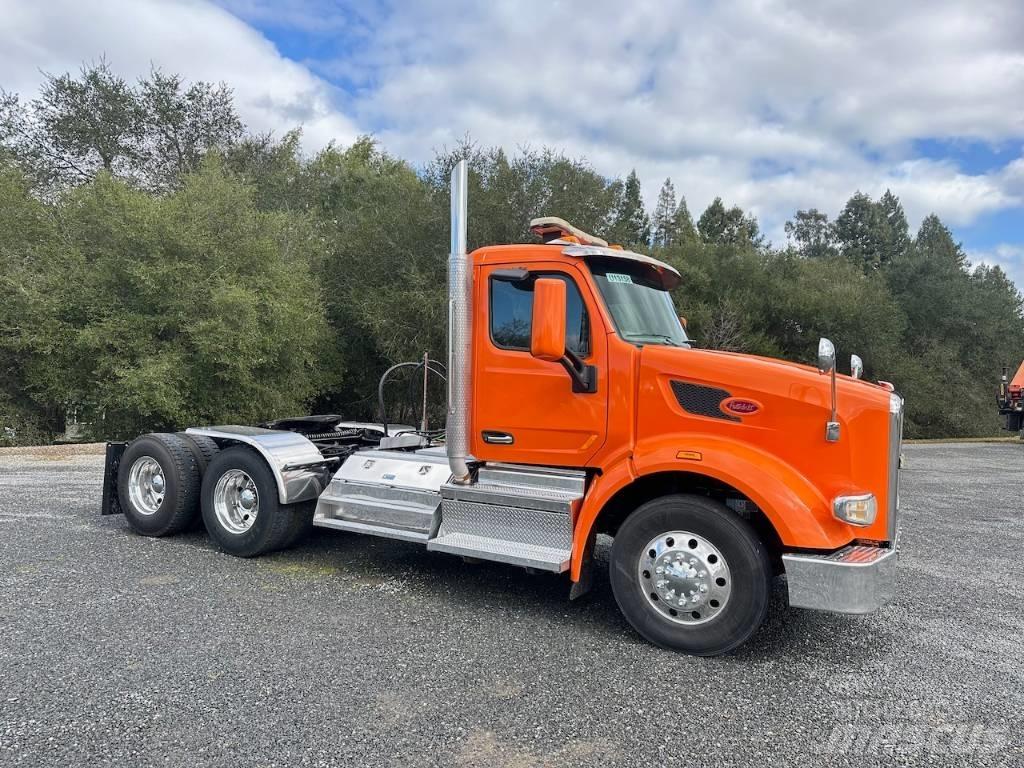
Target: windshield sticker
x=615 y=277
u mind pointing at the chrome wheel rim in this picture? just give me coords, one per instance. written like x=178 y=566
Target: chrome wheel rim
x=146 y=485
x=684 y=577
x=236 y=502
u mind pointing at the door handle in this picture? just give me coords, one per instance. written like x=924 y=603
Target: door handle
x=497 y=438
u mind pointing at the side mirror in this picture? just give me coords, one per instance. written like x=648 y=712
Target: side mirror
x=547 y=336
x=826 y=355
x=856 y=366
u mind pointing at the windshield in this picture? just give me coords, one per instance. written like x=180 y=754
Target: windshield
x=643 y=312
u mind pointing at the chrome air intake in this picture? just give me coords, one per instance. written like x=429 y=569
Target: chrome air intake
x=460 y=350
x=896 y=408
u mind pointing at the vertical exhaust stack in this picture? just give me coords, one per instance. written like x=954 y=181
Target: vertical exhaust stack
x=460 y=318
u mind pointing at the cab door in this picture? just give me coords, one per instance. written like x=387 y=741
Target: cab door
x=524 y=409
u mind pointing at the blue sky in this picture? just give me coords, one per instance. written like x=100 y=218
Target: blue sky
x=774 y=106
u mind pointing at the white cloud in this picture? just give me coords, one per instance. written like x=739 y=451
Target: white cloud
x=829 y=97
x=775 y=106
x=190 y=37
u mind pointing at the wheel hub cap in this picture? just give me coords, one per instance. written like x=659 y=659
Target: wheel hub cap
x=236 y=501
x=684 y=577
x=146 y=485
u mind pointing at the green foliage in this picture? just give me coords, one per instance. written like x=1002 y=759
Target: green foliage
x=160 y=267
x=630 y=226
x=812 y=234
x=872 y=235
x=150 y=134
x=159 y=312
x=719 y=225
x=671 y=222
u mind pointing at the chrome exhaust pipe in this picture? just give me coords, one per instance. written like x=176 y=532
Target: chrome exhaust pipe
x=460 y=324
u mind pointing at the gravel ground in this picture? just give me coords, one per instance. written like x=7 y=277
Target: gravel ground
x=121 y=650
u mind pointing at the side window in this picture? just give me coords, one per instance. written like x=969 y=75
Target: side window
x=512 y=314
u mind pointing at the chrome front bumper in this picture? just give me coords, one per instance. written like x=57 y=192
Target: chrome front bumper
x=854 y=579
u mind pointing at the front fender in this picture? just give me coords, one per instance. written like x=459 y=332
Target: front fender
x=799 y=513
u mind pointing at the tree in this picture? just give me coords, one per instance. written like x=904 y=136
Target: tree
x=662 y=222
x=935 y=241
x=671 y=222
x=76 y=127
x=166 y=268
x=721 y=226
x=182 y=124
x=899 y=231
x=863 y=233
x=682 y=229
x=813 y=236
x=182 y=309
x=29 y=268
x=150 y=134
x=630 y=226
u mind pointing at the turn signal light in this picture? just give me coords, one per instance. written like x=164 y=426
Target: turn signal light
x=856 y=510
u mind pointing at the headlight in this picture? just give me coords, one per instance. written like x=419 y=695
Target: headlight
x=856 y=510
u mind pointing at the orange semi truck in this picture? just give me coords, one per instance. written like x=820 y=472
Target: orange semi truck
x=576 y=407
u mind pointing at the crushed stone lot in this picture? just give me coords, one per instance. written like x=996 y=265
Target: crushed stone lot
x=121 y=650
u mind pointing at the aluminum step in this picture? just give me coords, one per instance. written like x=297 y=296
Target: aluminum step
x=518 y=515
x=514 y=496
x=372 y=530
x=514 y=553
x=567 y=480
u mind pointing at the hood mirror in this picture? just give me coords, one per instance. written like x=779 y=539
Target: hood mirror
x=827 y=364
x=856 y=366
x=826 y=355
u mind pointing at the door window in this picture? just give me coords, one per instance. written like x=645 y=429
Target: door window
x=512 y=313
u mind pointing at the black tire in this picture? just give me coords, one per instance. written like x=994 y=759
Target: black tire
x=202 y=447
x=273 y=524
x=179 y=504
x=748 y=566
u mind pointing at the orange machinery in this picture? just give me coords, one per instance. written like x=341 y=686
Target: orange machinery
x=1010 y=400
x=577 y=406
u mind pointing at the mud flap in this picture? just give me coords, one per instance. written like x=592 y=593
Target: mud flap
x=111 y=504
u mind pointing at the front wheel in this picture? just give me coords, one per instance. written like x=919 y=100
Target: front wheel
x=690 y=575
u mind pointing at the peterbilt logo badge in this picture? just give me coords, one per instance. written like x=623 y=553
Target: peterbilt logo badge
x=741 y=406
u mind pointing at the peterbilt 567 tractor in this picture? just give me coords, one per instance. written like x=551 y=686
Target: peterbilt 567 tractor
x=576 y=406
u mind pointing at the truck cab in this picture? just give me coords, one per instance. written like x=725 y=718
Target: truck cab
x=577 y=406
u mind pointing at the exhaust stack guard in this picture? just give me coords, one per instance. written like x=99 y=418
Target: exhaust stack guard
x=460 y=308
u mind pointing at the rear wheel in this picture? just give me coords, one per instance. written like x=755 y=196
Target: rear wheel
x=202 y=447
x=240 y=505
x=158 y=485
x=690 y=575
x=203 y=450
